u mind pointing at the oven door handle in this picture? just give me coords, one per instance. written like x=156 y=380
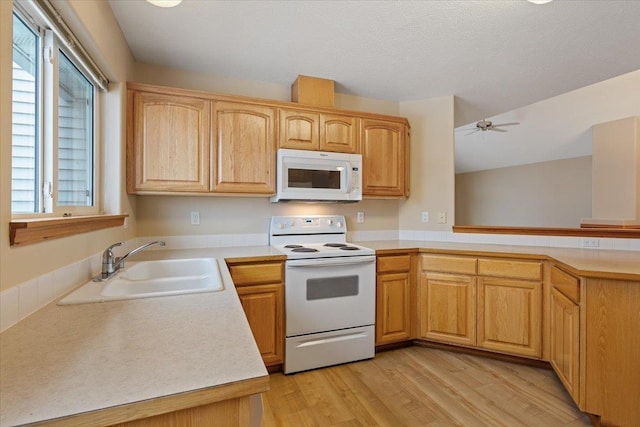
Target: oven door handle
x=323 y=262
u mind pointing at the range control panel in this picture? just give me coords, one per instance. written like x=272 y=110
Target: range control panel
x=315 y=224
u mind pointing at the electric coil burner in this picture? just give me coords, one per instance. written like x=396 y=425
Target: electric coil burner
x=330 y=292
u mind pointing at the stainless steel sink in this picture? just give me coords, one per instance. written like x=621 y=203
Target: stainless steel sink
x=152 y=279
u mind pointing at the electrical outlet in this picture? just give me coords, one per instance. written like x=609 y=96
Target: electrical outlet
x=591 y=243
x=195 y=218
x=360 y=217
x=442 y=217
x=424 y=216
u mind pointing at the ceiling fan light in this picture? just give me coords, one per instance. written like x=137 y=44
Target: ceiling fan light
x=165 y=3
x=539 y=1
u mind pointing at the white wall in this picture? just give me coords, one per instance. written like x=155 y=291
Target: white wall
x=432 y=163
x=546 y=194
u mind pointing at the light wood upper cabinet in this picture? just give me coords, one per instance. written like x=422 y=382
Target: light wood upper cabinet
x=183 y=141
x=245 y=147
x=384 y=158
x=447 y=308
x=339 y=133
x=510 y=316
x=299 y=130
x=168 y=143
x=305 y=130
x=394 y=296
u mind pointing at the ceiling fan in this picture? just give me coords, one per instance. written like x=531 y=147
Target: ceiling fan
x=485 y=125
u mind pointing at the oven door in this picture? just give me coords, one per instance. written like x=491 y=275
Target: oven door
x=329 y=293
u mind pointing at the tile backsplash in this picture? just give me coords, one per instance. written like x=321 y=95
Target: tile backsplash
x=20 y=301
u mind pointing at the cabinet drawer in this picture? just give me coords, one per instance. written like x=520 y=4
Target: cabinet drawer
x=566 y=283
x=449 y=264
x=394 y=263
x=251 y=274
x=510 y=268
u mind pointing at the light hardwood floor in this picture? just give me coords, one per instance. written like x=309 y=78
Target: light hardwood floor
x=418 y=386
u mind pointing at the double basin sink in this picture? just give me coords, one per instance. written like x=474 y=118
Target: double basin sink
x=152 y=279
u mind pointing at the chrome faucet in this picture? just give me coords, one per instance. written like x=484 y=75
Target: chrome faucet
x=111 y=263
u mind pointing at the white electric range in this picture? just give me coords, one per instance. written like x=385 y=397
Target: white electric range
x=330 y=290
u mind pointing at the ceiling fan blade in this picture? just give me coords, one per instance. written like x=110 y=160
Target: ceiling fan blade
x=505 y=124
x=473 y=131
x=493 y=128
x=464 y=129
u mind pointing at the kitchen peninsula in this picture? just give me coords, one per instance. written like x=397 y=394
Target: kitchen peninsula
x=112 y=361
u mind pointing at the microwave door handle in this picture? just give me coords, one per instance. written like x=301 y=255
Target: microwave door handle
x=349 y=173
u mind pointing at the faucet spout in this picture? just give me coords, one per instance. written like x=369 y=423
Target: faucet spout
x=111 y=264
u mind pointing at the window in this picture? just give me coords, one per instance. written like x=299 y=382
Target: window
x=25 y=119
x=53 y=122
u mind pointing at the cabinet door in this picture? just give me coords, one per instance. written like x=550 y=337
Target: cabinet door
x=245 y=145
x=383 y=159
x=338 y=133
x=565 y=341
x=510 y=316
x=393 y=308
x=168 y=141
x=447 y=308
x=264 y=307
x=299 y=130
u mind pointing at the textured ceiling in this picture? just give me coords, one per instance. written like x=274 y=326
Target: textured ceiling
x=494 y=56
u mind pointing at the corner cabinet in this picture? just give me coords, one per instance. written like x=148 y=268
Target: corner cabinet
x=245 y=143
x=394 y=295
x=168 y=143
x=260 y=288
x=384 y=148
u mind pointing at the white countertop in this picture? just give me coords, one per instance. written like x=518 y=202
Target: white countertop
x=66 y=360
x=583 y=262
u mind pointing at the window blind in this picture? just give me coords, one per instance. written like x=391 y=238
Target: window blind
x=52 y=19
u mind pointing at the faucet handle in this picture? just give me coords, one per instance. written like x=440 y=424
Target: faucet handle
x=113 y=246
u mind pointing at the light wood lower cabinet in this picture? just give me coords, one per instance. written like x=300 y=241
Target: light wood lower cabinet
x=565 y=341
x=459 y=306
x=263 y=306
x=448 y=308
x=612 y=360
x=394 y=296
x=260 y=288
x=510 y=316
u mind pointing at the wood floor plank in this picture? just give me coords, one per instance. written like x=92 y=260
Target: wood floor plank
x=419 y=386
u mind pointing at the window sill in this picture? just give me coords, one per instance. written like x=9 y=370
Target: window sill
x=27 y=231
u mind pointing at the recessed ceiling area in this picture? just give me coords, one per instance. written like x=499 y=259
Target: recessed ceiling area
x=494 y=56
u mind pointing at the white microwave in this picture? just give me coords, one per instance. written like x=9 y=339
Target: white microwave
x=318 y=176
